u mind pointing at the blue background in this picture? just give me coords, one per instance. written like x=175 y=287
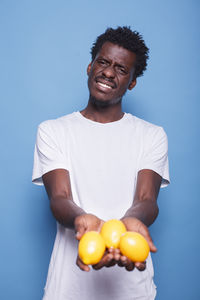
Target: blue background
x=44 y=52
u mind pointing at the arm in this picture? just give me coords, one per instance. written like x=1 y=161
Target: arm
x=68 y=213
x=144 y=209
x=141 y=214
x=58 y=187
x=64 y=209
x=144 y=206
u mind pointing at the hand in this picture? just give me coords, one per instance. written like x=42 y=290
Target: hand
x=83 y=224
x=89 y=222
x=110 y=258
x=133 y=224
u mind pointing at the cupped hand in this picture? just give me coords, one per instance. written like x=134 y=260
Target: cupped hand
x=135 y=225
x=89 y=222
x=85 y=223
x=110 y=258
x=113 y=257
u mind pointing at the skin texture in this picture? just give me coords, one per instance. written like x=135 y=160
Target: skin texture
x=113 y=66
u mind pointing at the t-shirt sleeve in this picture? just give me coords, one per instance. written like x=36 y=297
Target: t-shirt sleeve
x=155 y=154
x=48 y=154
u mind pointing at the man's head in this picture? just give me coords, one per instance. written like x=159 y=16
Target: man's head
x=118 y=57
x=128 y=39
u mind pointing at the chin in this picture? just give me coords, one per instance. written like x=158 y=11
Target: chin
x=104 y=102
x=100 y=102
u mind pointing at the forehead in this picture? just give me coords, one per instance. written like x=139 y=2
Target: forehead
x=117 y=54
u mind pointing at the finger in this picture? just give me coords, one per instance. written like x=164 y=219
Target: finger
x=80 y=232
x=104 y=262
x=145 y=232
x=115 y=253
x=122 y=261
x=81 y=265
x=127 y=263
x=141 y=266
x=111 y=263
x=113 y=250
x=130 y=266
x=117 y=256
x=120 y=264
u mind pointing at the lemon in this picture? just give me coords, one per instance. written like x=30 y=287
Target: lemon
x=134 y=246
x=91 y=248
x=111 y=232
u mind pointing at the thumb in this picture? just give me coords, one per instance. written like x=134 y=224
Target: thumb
x=147 y=236
x=80 y=230
x=151 y=245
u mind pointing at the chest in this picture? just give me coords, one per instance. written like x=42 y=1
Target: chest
x=106 y=150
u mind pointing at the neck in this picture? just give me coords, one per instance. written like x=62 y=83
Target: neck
x=102 y=113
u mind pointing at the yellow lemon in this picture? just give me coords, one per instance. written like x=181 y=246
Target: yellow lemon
x=134 y=246
x=111 y=232
x=91 y=248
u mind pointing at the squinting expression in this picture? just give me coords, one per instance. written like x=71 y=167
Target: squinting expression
x=111 y=73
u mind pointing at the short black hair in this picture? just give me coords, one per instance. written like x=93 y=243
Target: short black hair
x=128 y=39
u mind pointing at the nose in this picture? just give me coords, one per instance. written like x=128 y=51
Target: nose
x=109 y=72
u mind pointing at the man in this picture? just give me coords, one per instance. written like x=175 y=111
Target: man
x=100 y=164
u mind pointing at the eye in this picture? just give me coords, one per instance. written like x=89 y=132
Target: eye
x=121 y=70
x=102 y=62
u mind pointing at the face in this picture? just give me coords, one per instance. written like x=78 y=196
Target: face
x=111 y=73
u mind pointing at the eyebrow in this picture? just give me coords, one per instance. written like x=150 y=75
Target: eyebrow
x=121 y=66
x=101 y=57
x=117 y=64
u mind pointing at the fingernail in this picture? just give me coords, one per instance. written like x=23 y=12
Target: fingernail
x=123 y=258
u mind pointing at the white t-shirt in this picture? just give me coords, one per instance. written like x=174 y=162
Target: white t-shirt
x=103 y=161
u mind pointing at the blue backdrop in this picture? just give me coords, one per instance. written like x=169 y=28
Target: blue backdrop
x=44 y=52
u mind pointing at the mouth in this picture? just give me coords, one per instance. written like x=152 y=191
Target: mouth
x=104 y=85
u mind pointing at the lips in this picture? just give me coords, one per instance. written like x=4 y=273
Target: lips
x=105 y=83
x=103 y=86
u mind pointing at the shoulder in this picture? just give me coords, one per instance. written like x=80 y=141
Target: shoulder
x=57 y=124
x=145 y=128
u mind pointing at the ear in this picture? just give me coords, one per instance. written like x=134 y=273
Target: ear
x=132 y=84
x=89 y=68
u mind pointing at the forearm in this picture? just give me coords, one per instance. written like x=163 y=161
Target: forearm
x=145 y=210
x=65 y=211
x=58 y=188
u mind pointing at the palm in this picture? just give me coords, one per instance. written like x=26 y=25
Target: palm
x=133 y=224
x=87 y=222
x=83 y=224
